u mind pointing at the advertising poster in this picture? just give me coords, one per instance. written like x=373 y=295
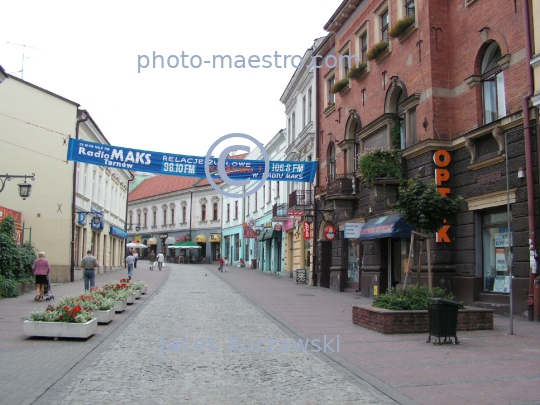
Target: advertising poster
x=500 y=259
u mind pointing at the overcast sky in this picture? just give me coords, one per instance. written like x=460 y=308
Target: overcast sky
x=88 y=52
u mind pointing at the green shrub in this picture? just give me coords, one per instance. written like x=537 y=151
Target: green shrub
x=377 y=164
x=376 y=50
x=356 y=72
x=413 y=298
x=400 y=26
x=340 y=85
x=9 y=288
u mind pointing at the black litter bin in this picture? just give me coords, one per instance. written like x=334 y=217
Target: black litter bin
x=443 y=316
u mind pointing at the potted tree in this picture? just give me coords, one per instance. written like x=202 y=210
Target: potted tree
x=421 y=205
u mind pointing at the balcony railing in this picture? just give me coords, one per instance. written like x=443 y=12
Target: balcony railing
x=341 y=184
x=279 y=210
x=301 y=198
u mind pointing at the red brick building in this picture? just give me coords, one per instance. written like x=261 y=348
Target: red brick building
x=451 y=77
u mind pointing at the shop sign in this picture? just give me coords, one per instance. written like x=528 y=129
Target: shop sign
x=287 y=225
x=277 y=227
x=307 y=230
x=295 y=213
x=330 y=233
x=442 y=175
x=352 y=230
x=249 y=233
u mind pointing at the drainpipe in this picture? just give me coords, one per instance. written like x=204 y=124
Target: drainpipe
x=316 y=184
x=528 y=159
x=82 y=116
x=126 y=217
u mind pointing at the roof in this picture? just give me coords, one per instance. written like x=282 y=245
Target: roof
x=163 y=184
x=240 y=156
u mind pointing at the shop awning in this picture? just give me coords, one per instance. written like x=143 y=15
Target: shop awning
x=200 y=238
x=151 y=241
x=388 y=226
x=215 y=237
x=268 y=234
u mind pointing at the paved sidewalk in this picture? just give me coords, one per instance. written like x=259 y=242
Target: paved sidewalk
x=34 y=368
x=488 y=367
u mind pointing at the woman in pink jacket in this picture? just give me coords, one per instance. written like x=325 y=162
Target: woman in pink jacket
x=41 y=270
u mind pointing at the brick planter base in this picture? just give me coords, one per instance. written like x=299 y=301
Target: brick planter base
x=391 y=322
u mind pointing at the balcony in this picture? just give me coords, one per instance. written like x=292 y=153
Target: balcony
x=279 y=213
x=301 y=199
x=341 y=186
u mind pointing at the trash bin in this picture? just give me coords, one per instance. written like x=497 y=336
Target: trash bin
x=443 y=316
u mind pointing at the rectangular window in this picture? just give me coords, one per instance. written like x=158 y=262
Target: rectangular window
x=154 y=218
x=363 y=47
x=247 y=205
x=293 y=125
x=172 y=215
x=215 y=211
x=264 y=194
x=228 y=212
x=329 y=84
x=255 y=206
x=164 y=216
x=277 y=188
x=309 y=105
x=99 y=190
x=269 y=191
x=289 y=129
x=496 y=250
x=145 y=219
x=236 y=210
x=94 y=185
x=183 y=215
x=409 y=8
x=203 y=212
x=384 y=25
x=138 y=219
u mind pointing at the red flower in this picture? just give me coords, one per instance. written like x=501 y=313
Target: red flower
x=66 y=308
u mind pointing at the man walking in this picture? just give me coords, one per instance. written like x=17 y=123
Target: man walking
x=129 y=261
x=160 y=260
x=89 y=263
x=152 y=258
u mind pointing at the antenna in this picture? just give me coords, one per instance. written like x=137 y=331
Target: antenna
x=23 y=56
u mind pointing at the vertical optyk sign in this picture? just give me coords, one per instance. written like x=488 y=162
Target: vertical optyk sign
x=442 y=175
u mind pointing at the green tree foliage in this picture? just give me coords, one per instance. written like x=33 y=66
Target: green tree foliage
x=421 y=205
x=15 y=262
x=413 y=298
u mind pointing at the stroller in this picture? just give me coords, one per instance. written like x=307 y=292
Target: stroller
x=47 y=294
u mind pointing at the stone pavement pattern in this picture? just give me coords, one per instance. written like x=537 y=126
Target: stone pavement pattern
x=143 y=365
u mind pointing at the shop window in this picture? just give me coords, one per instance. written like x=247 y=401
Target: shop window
x=495 y=251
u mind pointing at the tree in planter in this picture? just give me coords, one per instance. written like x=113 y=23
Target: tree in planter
x=421 y=205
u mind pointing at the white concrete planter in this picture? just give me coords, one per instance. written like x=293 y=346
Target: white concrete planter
x=131 y=299
x=105 y=316
x=120 y=306
x=60 y=329
x=137 y=294
x=143 y=290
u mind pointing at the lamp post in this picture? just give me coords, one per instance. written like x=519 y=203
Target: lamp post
x=24 y=188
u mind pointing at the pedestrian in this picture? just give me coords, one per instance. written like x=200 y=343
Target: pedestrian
x=130 y=260
x=221 y=263
x=89 y=263
x=41 y=270
x=160 y=260
x=136 y=257
x=152 y=258
x=225 y=263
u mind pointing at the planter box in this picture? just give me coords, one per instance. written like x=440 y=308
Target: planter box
x=120 y=306
x=105 y=316
x=391 y=322
x=137 y=294
x=143 y=290
x=60 y=329
x=131 y=299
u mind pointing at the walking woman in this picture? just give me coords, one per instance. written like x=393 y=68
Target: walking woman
x=41 y=270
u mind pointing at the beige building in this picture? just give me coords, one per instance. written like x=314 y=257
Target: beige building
x=35 y=127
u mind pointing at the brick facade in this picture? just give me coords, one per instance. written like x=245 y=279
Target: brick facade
x=437 y=68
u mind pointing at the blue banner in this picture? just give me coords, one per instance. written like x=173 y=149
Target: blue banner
x=184 y=165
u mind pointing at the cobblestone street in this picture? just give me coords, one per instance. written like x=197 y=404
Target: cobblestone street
x=199 y=341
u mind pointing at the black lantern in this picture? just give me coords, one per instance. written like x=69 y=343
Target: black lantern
x=309 y=218
x=24 y=190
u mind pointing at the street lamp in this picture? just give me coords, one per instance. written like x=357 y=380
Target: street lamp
x=129 y=227
x=309 y=218
x=95 y=220
x=24 y=188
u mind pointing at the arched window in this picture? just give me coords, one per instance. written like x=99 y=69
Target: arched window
x=492 y=84
x=216 y=211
